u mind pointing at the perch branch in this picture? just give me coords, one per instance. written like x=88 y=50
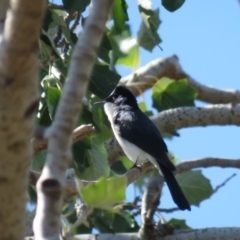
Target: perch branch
x=70 y=188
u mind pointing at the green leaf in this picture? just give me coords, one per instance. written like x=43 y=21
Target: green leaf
x=143 y=108
x=195 y=185
x=103 y=81
x=172 y=5
x=62 y=67
x=114 y=222
x=102 y=220
x=44 y=117
x=75 y=5
x=148 y=37
x=119 y=14
x=121 y=166
x=87 y=118
x=47 y=19
x=91 y=159
x=58 y=21
x=178 y=224
x=81 y=161
x=69 y=212
x=47 y=48
x=108 y=192
x=32 y=194
x=52 y=96
x=39 y=161
x=105 y=47
x=130 y=48
x=168 y=93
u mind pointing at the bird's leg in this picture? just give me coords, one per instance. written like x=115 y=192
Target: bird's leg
x=135 y=165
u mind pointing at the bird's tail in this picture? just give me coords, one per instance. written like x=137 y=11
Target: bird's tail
x=175 y=190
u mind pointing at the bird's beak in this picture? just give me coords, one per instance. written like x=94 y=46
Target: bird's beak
x=100 y=103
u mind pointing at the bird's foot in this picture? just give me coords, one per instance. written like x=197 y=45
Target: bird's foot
x=135 y=165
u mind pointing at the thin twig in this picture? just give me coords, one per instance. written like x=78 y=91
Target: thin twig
x=76 y=21
x=161 y=210
x=57 y=37
x=78 y=134
x=224 y=183
x=168 y=210
x=83 y=212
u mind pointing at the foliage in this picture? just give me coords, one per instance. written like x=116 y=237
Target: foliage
x=119 y=47
x=108 y=192
x=168 y=93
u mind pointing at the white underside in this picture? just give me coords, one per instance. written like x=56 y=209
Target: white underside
x=132 y=151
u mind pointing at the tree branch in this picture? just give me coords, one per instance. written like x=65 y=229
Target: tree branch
x=70 y=188
x=184 y=166
x=78 y=134
x=52 y=181
x=223 y=183
x=83 y=211
x=146 y=76
x=173 y=119
x=207 y=162
x=227 y=233
x=135 y=173
x=150 y=200
x=18 y=102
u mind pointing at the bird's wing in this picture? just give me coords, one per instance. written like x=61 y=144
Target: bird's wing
x=138 y=129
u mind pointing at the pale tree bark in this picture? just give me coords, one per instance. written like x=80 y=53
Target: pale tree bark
x=53 y=179
x=18 y=102
x=196 y=234
x=146 y=76
x=79 y=133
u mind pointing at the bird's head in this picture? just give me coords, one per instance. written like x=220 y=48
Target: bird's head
x=122 y=96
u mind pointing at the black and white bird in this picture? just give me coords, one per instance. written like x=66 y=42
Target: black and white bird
x=140 y=139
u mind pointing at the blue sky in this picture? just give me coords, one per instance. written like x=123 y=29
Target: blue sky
x=205 y=35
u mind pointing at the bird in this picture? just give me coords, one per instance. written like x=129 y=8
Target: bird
x=140 y=139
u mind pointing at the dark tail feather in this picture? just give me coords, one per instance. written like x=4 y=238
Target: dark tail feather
x=175 y=190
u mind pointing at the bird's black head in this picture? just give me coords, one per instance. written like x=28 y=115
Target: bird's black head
x=122 y=96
